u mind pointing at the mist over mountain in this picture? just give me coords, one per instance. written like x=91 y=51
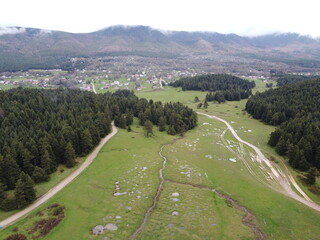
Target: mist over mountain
x=37 y=46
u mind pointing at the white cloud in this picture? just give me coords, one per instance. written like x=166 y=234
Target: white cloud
x=11 y=30
x=245 y=17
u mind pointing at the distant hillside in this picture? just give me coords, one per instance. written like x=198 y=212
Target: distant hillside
x=23 y=48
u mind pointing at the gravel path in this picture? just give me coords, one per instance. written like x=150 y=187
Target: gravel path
x=284 y=179
x=53 y=191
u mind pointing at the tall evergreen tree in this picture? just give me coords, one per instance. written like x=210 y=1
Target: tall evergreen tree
x=46 y=162
x=162 y=124
x=69 y=155
x=40 y=175
x=24 y=192
x=148 y=127
x=86 y=141
x=9 y=171
x=3 y=194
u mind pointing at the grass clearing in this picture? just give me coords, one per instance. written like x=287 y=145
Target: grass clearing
x=211 y=218
x=129 y=165
x=130 y=162
x=276 y=214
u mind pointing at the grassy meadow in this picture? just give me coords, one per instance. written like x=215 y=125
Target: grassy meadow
x=129 y=164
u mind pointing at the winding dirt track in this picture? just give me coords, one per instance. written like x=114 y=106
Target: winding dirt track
x=93 y=88
x=284 y=179
x=53 y=191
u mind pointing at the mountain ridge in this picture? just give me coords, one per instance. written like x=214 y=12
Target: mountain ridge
x=131 y=40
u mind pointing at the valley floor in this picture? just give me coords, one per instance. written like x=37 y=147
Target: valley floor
x=211 y=188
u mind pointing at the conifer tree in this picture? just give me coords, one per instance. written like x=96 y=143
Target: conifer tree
x=24 y=192
x=40 y=175
x=148 y=127
x=86 y=141
x=46 y=162
x=162 y=124
x=69 y=155
x=9 y=171
x=3 y=194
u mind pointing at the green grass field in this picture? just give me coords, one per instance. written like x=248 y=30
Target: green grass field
x=130 y=163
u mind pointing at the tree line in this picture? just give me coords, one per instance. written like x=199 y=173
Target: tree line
x=213 y=82
x=221 y=87
x=292 y=79
x=295 y=109
x=175 y=118
x=228 y=95
x=41 y=129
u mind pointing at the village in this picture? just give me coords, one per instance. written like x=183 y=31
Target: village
x=135 y=73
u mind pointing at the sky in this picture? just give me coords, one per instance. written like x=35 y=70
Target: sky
x=243 y=17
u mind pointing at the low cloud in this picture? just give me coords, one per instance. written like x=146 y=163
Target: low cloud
x=11 y=30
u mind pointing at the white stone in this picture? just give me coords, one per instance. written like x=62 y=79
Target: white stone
x=175 y=213
x=175 y=199
x=97 y=230
x=176 y=194
x=119 y=194
x=111 y=227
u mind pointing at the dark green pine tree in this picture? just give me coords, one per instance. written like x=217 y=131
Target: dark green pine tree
x=9 y=171
x=69 y=155
x=3 y=194
x=129 y=118
x=24 y=192
x=27 y=166
x=171 y=130
x=293 y=155
x=162 y=124
x=311 y=175
x=40 y=175
x=86 y=141
x=122 y=121
x=46 y=162
x=205 y=104
x=148 y=127
x=281 y=147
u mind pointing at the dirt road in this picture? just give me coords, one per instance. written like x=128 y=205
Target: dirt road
x=62 y=184
x=283 y=178
x=93 y=88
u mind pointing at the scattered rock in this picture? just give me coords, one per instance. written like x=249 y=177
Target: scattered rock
x=175 y=213
x=111 y=227
x=118 y=217
x=128 y=208
x=175 y=199
x=105 y=238
x=182 y=228
x=170 y=225
x=119 y=194
x=176 y=194
x=97 y=230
